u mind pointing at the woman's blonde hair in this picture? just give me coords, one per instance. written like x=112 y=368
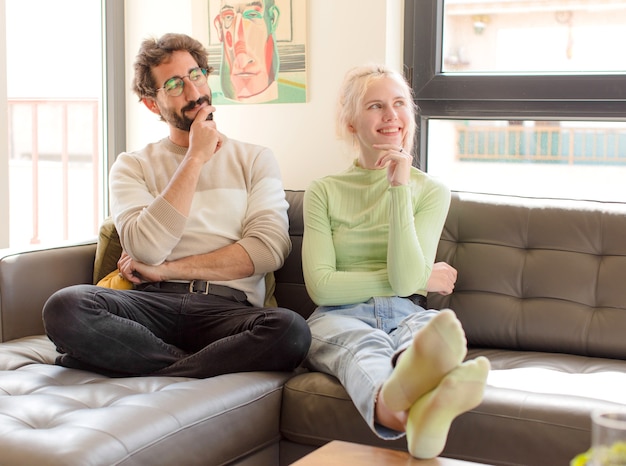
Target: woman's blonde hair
x=355 y=84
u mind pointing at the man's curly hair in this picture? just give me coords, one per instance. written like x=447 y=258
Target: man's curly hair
x=153 y=52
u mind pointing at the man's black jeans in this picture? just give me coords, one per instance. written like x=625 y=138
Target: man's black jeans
x=128 y=333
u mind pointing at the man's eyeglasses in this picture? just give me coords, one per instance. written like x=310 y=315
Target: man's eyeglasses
x=174 y=86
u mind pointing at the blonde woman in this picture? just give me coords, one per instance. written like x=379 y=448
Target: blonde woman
x=371 y=235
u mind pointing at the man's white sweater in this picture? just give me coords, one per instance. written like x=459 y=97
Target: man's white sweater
x=239 y=199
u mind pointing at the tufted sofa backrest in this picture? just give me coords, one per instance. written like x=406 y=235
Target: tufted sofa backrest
x=543 y=275
x=537 y=274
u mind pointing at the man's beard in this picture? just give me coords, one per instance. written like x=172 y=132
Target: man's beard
x=180 y=121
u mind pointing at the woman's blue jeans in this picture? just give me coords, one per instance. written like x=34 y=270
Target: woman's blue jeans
x=358 y=343
x=130 y=332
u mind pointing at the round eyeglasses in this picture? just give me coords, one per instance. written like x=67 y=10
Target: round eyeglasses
x=174 y=86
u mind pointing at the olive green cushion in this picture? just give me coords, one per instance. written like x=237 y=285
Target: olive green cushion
x=108 y=251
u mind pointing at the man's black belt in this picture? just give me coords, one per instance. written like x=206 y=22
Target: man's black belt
x=418 y=300
x=201 y=287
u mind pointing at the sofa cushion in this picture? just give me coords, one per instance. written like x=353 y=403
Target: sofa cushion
x=308 y=395
x=537 y=403
x=108 y=250
x=57 y=416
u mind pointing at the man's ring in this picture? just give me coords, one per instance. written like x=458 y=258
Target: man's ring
x=401 y=149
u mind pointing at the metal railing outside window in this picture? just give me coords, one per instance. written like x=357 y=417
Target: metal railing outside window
x=541 y=144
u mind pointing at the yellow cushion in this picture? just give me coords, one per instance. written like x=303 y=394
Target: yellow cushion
x=117 y=281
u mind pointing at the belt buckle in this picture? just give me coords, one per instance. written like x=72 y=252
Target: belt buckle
x=192 y=287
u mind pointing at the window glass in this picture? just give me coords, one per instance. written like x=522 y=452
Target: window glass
x=517 y=36
x=54 y=93
x=562 y=159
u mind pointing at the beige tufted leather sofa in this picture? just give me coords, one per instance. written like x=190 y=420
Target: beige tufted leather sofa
x=541 y=292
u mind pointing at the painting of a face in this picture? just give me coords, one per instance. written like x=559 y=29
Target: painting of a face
x=249 y=58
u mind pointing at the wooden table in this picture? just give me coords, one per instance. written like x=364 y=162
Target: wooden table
x=338 y=453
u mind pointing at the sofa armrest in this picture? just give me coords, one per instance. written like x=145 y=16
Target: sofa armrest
x=28 y=278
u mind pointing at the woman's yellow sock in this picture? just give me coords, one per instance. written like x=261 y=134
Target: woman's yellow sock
x=431 y=416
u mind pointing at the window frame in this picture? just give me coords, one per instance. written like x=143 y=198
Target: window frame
x=114 y=92
x=4 y=137
x=593 y=97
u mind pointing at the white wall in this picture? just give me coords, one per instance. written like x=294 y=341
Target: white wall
x=340 y=34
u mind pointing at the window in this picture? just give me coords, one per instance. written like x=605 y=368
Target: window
x=58 y=118
x=521 y=101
